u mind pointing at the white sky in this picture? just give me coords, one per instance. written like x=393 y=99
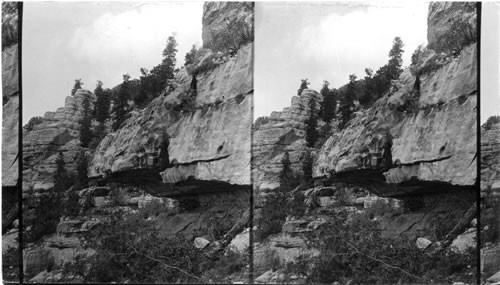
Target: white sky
x=490 y=63
x=319 y=41
x=327 y=41
x=94 y=41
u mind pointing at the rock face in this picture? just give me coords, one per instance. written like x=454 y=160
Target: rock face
x=226 y=24
x=435 y=141
x=490 y=158
x=490 y=192
x=10 y=91
x=211 y=142
x=285 y=131
x=445 y=19
x=58 y=132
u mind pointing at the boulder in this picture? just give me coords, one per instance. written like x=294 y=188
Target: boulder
x=36 y=260
x=465 y=241
x=490 y=259
x=264 y=258
x=495 y=278
x=47 y=277
x=423 y=243
x=307 y=224
x=240 y=242
x=62 y=242
x=201 y=243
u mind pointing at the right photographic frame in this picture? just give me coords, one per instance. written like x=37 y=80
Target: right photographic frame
x=365 y=145
x=490 y=144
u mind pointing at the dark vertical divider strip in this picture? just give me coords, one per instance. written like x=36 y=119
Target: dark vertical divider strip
x=478 y=145
x=20 y=137
x=251 y=224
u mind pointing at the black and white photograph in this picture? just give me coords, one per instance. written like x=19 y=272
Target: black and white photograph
x=365 y=142
x=267 y=142
x=490 y=146
x=136 y=142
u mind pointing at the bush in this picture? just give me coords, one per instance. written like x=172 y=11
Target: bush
x=353 y=251
x=493 y=120
x=276 y=208
x=130 y=250
x=460 y=35
x=237 y=34
x=32 y=123
x=10 y=264
x=260 y=121
x=42 y=218
x=228 y=264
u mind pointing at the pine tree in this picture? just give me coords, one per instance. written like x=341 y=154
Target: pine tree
x=190 y=56
x=307 y=168
x=287 y=178
x=154 y=81
x=61 y=176
x=103 y=102
x=304 y=84
x=324 y=90
x=120 y=107
x=377 y=84
x=347 y=102
x=81 y=171
x=311 y=124
x=169 y=61
x=395 y=59
x=78 y=85
x=86 y=123
x=329 y=105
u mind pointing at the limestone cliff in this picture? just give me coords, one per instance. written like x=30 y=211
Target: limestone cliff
x=10 y=91
x=205 y=121
x=58 y=132
x=422 y=132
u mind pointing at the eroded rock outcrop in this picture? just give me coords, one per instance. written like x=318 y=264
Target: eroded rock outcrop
x=426 y=135
x=57 y=132
x=284 y=132
x=490 y=158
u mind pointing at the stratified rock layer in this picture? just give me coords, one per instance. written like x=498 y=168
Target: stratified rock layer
x=210 y=142
x=490 y=158
x=58 y=132
x=285 y=131
x=434 y=141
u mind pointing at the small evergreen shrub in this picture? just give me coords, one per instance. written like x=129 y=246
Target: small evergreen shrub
x=33 y=122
